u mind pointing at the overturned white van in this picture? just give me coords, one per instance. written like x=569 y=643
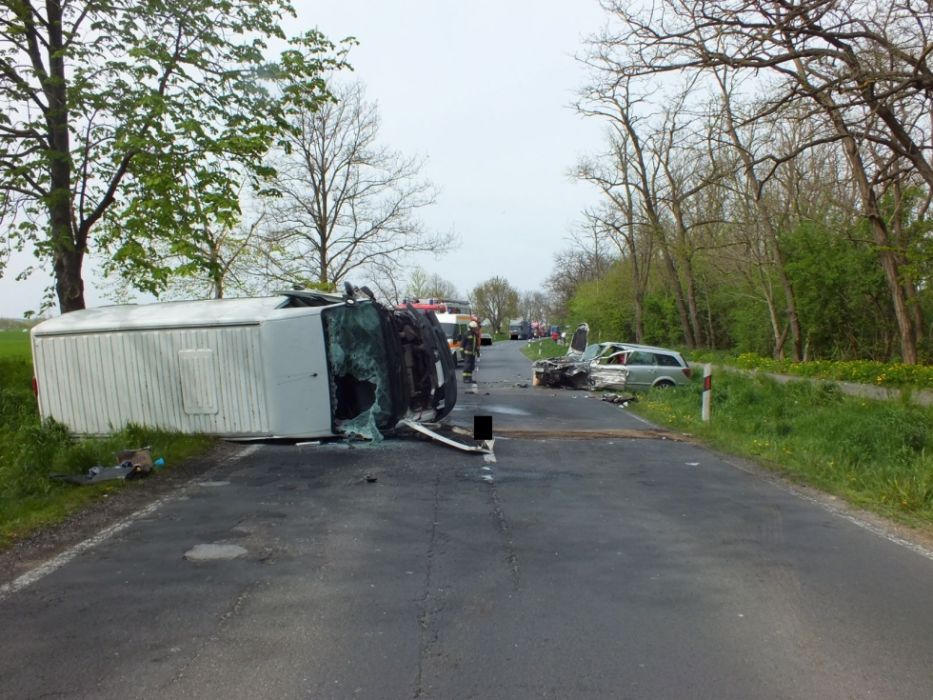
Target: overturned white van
x=299 y=364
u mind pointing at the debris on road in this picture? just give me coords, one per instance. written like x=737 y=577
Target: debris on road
x=484 y=448
x=133 y=464
x=620 y=398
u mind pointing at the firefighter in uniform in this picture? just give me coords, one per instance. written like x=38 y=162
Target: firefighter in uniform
x=470 y=350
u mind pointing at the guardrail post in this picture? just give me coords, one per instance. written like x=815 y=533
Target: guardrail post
x=707 y=392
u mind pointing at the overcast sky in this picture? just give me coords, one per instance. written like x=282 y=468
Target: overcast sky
x=482 y=91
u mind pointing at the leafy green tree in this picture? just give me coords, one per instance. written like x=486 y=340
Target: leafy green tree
x=605 y=304
x=844 y=306
x=142 y=116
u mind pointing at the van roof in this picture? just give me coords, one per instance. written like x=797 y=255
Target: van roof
x=175 y=314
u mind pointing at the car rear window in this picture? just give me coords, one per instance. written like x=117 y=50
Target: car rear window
x=666 y=360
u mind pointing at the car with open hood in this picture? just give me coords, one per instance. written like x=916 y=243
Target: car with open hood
x=570 y=370
x=612 y=365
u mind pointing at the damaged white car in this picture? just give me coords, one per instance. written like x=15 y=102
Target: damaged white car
x=299 y=364
x=612 y=365
x=571 y=370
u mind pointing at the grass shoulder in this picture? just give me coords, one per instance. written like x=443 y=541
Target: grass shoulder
x=886 y=374
x=541 y=348
x=31 y=450
x=878 y=455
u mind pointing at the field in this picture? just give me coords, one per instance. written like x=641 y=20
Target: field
x=14 y=344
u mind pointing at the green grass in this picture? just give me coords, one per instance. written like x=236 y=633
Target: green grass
x=543 y=347
x=14 y=344
x=877 y=455
x=890 y=374
x=31 y=450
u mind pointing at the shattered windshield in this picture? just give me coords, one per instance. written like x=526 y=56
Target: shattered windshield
x=359 y=369
x=590 y=352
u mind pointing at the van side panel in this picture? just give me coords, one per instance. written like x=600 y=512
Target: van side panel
x=297 y=377
x=188 y=379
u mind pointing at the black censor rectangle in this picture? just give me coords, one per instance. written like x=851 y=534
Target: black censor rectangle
x=482 y=427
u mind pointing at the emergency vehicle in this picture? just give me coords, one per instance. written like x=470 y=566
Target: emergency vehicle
x=454 y=317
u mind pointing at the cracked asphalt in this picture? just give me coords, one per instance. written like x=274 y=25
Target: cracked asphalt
x=627 y=565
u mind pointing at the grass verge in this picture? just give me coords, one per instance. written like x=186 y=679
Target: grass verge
x=878 y=455
x=14 y=344
x=541 y=348
x=31 y=450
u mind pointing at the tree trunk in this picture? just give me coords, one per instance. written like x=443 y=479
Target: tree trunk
x=882 y=240
x=68 y=247
x=690 y=278
x=790 y=298
x=69 y=285
x=780 y=334
x=765 y=216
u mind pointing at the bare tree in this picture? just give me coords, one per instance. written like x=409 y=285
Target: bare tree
x=572 y=267
x=346 y=204
x=859 y=71
x=425 y=285
x=221 y=262
x=496 y=300
x=640 y=148
x=533 y=305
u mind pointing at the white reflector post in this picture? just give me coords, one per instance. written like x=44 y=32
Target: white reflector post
x=707 y=391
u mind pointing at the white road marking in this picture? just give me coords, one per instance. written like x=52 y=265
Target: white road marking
x=43 y=570
x=838 y=511
x=639 y=418
x=871 y=527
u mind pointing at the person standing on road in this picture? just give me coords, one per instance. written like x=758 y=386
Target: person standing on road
x=470 y=347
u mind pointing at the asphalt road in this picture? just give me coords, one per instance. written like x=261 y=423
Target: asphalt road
x=627 y=566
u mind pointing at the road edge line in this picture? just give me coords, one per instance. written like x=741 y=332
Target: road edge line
x=58 y=561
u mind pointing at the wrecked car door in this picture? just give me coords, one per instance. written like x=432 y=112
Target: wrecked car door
x=385 y=366
x=608 y=370
x=642 y=368
x=578 y=341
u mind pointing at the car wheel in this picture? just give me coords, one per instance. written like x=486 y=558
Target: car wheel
x=665 y=384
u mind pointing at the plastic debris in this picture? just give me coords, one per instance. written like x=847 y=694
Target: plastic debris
x=133 y=464
x=623 y=399
x=486 y=448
